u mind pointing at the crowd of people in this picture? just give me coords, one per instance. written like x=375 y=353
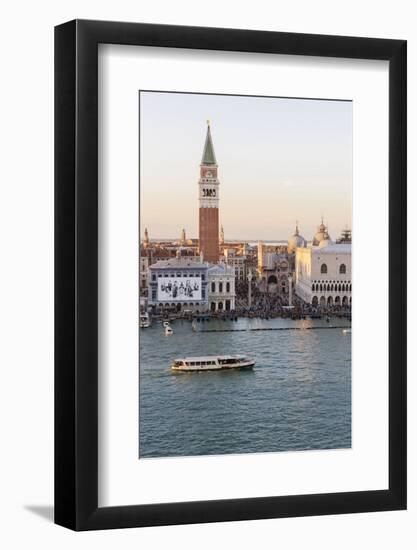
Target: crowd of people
x=266 y=305
x=274 y=304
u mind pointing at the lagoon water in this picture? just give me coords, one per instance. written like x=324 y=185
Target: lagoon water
x=298 y=396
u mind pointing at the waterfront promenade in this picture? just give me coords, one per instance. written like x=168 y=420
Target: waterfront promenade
x=265 y=309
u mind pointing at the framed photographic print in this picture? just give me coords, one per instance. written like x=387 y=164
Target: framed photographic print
x=230 y=338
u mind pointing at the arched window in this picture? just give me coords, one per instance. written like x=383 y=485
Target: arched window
x=331 y=287
x=213 y=287
x=321 y=288
x=328 y=288
x=323 y=268
x=227 y=287
x=220 y=287
x=339 y=288
x=313 y=288
x=342 y=269
x=343 y=288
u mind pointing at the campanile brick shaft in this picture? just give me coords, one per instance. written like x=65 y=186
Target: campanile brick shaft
x=209 y=203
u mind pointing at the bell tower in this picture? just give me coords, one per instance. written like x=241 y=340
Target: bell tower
x=208 y=185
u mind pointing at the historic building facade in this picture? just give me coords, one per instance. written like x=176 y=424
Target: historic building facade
x=237 y=261
x=273 y=269
x=178 y=284
x=221 y=287
x=323 y=274
x=209 y=203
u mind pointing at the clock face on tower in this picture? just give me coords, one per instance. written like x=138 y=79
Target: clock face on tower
x=208 y=174
x=209 y=193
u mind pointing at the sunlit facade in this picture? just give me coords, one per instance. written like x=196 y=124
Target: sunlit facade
x=221 y=287
x=323 y=274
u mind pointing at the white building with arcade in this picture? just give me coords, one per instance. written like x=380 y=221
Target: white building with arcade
x=323 y=271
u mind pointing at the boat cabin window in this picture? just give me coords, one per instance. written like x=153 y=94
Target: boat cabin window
x=230 y=360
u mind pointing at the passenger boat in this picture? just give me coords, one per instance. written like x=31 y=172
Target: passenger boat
x=168 y=331
x=213 y=362
x=347 y=331
x=144 y=320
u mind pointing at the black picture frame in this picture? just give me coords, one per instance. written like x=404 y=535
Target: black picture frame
x=76 y=273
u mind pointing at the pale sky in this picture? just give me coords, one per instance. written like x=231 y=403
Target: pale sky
x=280 y=160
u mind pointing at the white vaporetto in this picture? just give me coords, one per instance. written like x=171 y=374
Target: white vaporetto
x=215 y=362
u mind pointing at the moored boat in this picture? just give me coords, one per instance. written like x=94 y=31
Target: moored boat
x=144 y=320
x=213 y=362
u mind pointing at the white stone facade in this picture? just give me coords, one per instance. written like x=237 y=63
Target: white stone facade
x=323 y=274
x=221 y=288
x=187 y=276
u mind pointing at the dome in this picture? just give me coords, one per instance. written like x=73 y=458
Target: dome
x=296 y=241
x=321 y=234
x=325 y=242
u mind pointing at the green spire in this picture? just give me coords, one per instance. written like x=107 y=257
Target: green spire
x=208 y=154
